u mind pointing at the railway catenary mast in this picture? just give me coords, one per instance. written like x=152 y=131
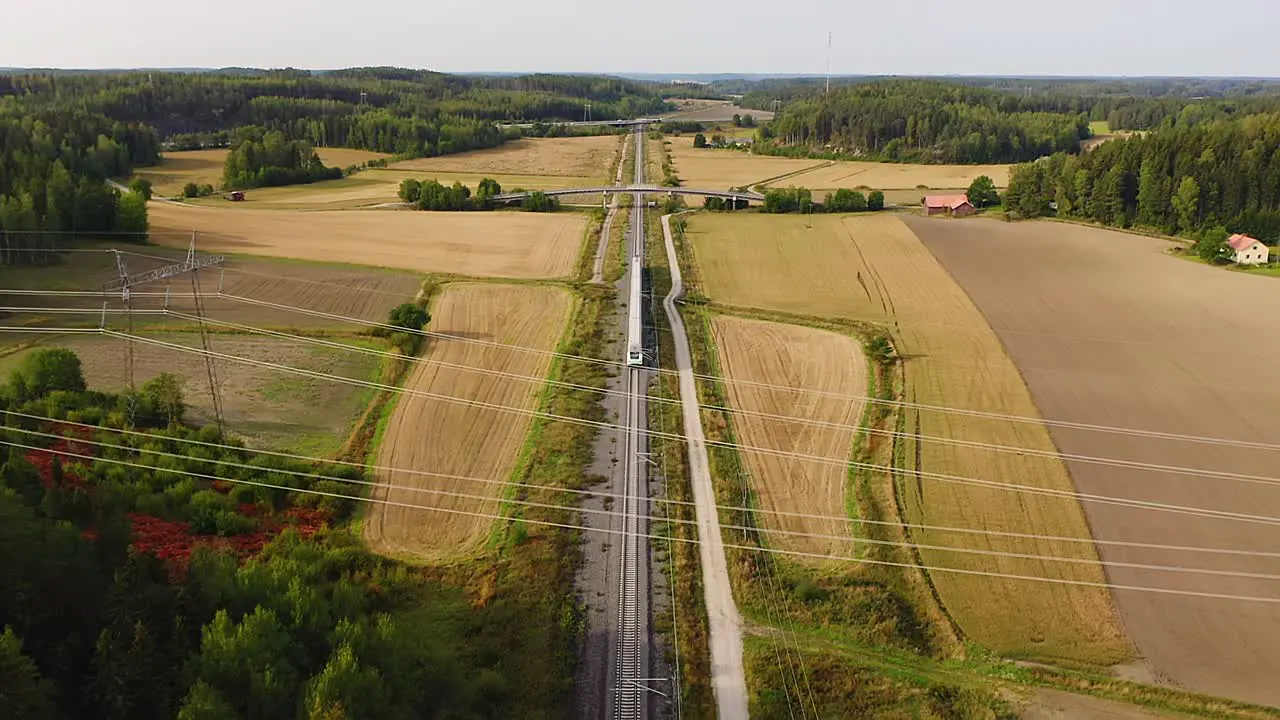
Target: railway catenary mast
x=635 y=329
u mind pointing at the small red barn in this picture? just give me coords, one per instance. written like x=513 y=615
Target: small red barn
x=953 y=205
x=236 y=196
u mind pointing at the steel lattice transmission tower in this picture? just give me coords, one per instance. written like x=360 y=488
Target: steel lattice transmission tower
x=126 y=282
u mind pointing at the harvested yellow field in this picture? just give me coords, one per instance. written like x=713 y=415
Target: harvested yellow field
x=953 y=359
x=895 y=176
x=714 y=111
x=342 y=157
x=508 y=181
x=179 y=168
x=791 y=355
x=764 y=260
x=708 y=169
x=372 y=188
x=574 y=157
x=436 y=436
x=204 y=167
x=497 y=244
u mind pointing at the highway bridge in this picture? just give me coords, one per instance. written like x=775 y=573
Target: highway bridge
x=638 y=189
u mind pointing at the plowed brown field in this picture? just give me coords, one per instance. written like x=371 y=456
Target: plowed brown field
x=872 y=268
x=777 y=354
x=499 y=244
x=437 y=436
x=364 y=294
x=1109 y=330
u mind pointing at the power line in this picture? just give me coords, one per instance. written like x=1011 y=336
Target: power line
x=687 y=503
x=844 y=462
x=863 y=398
x=570 y=526
x=1090 y=427
x=1008 y=449
x=1009 y=487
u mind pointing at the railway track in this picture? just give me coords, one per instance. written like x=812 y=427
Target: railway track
x=632 y=657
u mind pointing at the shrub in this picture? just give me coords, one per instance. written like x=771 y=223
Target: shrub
x=45 y=371
x=142 y=186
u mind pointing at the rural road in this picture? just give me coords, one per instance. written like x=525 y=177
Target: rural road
x=597 y=273
x=728 y=680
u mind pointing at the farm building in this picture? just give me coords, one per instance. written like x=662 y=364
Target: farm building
x=953 y=205
x=1247 y=250
x=236 y=196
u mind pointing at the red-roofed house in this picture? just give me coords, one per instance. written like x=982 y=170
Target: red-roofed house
x=953 y=205
x=1247 y=250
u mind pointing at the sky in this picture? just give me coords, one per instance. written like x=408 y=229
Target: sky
x=889 y=37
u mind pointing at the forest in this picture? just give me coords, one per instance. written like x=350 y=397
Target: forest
x=156 y=570
x=53 y=173
x=414 y=112
x=1178 y=179
x=1126 y=104
x=921 y=121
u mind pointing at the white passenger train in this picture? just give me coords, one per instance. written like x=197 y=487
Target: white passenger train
x=635 y=328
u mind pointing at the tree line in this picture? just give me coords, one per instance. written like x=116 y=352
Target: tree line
x=53 y=171
x=1179 y=179
x=432 y=195
x=920 y=121
x=800 y=200
x=146 y=578
x=262 y=158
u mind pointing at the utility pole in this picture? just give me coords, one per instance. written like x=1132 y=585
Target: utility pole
x=586 y=112
x=126 y=282
x=828 y=93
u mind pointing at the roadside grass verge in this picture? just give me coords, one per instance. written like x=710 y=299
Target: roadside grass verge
x=689 y=613
x=590 y=236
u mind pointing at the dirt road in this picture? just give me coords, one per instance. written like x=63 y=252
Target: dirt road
x=728 y=680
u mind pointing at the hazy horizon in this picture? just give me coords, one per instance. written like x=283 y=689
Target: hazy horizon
x=1132 y=38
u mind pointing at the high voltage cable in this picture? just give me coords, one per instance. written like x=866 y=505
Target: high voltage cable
x=1008 y=449
x=242 y=271
x=1144 y=504
x=1090 y=427
x=570 y=526
x=592 y=493
x=941 y=477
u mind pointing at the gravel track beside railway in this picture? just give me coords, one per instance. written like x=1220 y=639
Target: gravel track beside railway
x=728 y=679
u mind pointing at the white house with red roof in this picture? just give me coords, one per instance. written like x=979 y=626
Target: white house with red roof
x=1247 y=250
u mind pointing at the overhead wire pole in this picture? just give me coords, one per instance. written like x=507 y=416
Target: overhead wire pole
x=125 y=284
x=210 y=368
x=126 y=300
